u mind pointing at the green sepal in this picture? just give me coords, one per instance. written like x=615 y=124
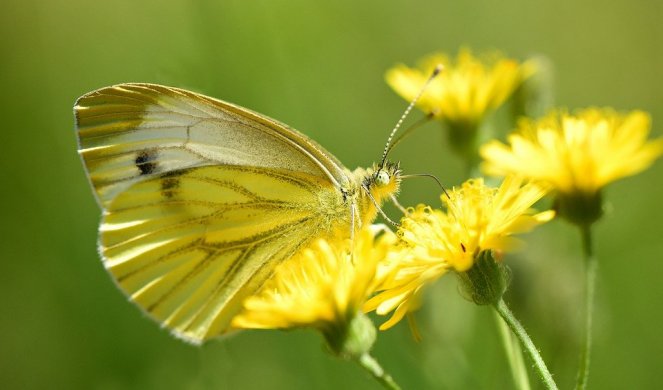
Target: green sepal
x=352 y=340
x=581 y=209
x=486 y=281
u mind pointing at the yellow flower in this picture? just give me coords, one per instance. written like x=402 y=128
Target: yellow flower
x=576 y=154
x=478 y=218
x=466 y=90
x=323 y=287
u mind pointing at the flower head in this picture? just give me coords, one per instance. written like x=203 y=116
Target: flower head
x=478 y=218
x=324 y=287
x=576 y=154
x=467 y=88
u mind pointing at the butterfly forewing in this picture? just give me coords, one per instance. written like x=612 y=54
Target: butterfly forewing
x=131 y=131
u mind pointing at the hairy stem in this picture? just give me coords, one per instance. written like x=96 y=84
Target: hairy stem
x=368 y=363
x=526 y=342
x=514 y=355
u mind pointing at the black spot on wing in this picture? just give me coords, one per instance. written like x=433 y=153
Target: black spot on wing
x=146 y=161
x=170 y=182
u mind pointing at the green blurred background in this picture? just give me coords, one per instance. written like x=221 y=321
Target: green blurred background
x=319 y=67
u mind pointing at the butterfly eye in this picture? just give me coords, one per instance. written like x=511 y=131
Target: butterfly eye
x=382 y=178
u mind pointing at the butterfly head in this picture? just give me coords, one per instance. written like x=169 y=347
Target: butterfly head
x=383 y=180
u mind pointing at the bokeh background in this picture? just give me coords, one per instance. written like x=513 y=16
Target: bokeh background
x=319 y=67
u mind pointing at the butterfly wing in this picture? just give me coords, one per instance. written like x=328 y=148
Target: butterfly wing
x=129 y=132
x=201 y=199
x=190 y=246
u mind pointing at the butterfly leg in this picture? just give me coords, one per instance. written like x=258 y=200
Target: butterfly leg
x=353 y=213
x=398 y=205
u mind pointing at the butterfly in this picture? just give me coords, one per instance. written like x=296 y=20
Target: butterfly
x=201 y=199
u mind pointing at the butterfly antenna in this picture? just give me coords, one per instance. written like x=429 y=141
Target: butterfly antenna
x=411 y=130
x=430 y=176
x=444 y=191
x=387 y=147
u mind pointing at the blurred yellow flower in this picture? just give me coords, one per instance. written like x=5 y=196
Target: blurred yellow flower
x=578 y=153
x=478 y=218
x=323 y=287
x=466 y=90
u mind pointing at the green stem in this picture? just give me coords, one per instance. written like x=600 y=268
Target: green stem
x=368 y=363
x=514 y=355
x=463 y=139
x=591 y=264
x=526 y=342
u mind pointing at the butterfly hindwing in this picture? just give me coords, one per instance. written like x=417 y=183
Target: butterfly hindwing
x=188 y=246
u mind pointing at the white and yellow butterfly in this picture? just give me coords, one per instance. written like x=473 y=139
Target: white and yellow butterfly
x=201 y=199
